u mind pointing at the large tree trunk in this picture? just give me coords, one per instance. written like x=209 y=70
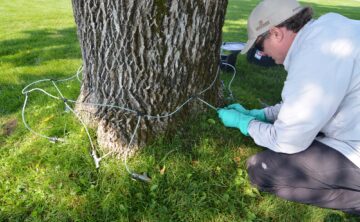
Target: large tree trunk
x=149 y=56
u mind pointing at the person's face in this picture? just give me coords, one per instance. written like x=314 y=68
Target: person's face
x=275 y=43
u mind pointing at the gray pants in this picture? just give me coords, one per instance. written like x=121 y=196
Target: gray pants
x=319 y=176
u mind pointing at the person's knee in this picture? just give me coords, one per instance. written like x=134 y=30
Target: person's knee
x=254 y=174
x=259 y=172
x=251 y=162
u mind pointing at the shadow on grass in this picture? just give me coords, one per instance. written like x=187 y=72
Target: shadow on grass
x=40 y=46
x=25 y=58
x=192 y=183
x=193 y=171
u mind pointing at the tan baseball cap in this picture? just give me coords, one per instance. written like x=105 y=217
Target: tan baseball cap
x=267 y=14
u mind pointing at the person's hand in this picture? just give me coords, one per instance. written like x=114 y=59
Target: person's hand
x=259 y=114
x=236 y=119
x=238 y=107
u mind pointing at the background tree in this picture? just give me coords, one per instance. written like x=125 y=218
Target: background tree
x=149 y=56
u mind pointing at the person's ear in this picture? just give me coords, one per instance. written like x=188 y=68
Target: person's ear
x=277 y=33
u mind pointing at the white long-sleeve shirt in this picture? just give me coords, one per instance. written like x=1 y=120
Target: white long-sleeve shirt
x=321 y=92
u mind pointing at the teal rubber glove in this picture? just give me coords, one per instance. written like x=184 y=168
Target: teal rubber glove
x=233 y=118
x=259 y=114
x=238 y=107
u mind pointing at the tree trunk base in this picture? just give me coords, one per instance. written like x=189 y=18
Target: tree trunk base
x=108 y=138
x=109 y=141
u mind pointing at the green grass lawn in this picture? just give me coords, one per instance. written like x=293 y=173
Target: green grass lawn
x=198 y=175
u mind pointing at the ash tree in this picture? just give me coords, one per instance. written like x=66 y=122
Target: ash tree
x=149 y=56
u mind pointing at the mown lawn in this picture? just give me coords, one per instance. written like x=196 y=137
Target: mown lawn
x=198 y=175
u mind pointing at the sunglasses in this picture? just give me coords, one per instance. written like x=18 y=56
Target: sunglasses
x=259 y=43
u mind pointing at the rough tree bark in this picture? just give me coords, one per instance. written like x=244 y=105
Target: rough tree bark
x=149 y=56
